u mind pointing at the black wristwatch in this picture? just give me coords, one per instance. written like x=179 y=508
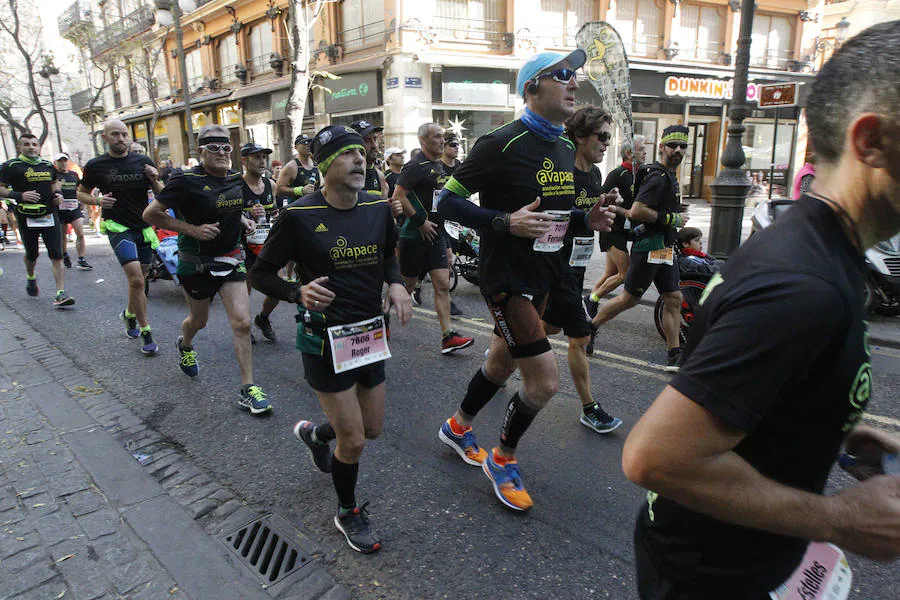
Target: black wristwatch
x=500 y=222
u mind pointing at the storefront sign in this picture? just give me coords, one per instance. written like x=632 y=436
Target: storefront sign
x=412 y=82
x=353 y=91
x=461 y=85
x=392 y=83
x=713 y=89
x=778 y=94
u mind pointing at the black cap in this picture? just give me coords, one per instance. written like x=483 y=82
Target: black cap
x=252 y=148
x=331 y=140
x=302 y=139
x=365 y=128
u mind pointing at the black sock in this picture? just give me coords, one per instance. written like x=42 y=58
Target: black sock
x=324 y=432
x=518 y=418
x=480 y=391
x=589 y=408
x=344 y=478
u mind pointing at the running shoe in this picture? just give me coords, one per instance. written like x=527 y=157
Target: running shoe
x=149 y=347
x=453 y=342
x=465 y=445
x=417 y=297
x=131 y=325
x=265 y=326
x=589 y=349
x=455 y=311
x=590 y=306
x=507 y=482
x=358 y=530
x=84 y=265
x=63 y=299
x=318 y=451
x=254 y=399
x=31 y=287
x=67 y=261
x=598 y=420
x=673 y=360
x=188 y=364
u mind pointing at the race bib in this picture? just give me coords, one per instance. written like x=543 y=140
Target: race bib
x=824 y=574
x=553 y=239
x=45 y=221
x=582 y=251
x=69 y=204
x=358 y=344
x=260 y=234
x=452 y=229
x=664 y=256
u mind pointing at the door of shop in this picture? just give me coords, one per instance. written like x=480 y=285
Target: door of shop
x=694 y=158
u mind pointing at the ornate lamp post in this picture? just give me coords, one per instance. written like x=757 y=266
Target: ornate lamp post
x=169 y=12
x=47 y=72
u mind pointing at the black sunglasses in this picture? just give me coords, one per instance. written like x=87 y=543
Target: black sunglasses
x=604 y=136
x=453 y=144
x=677 y=145
x=563 y=75
x=216 y=148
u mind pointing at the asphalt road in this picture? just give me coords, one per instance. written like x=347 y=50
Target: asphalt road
x=445 y=534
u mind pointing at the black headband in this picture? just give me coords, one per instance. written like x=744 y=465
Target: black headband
x=215 y=139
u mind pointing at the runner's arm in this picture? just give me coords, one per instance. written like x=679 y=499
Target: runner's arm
x=454 y=207
x=285 y=178
x=383 y=182
x=5 y=192
x=412 y=208
x=85 y=196
x=156 y=215
x=264 y=277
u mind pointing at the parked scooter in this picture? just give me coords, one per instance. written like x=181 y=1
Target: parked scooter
x=882 y=290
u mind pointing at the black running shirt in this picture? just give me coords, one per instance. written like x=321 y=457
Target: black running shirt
x=266 y=199
x=123 y=178
x=779 y=349
x=390 y=179
x=509 y=167
x=200 y=198
x=623 y=179
x=69 y=180
x=306 y=176
x=420 y=178
x=351 y=247
x=373 y=184
x=23 y=174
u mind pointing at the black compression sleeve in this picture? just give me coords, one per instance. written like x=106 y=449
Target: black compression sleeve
x=454 y=207
x=264 y=277
x=392 y=271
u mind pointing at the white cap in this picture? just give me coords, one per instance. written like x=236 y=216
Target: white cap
x=60 y=156
x=392 y=151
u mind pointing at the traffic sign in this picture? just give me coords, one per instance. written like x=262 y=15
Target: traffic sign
x=778 y=94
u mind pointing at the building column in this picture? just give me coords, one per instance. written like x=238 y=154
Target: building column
x=177 y=141
x=405 y=108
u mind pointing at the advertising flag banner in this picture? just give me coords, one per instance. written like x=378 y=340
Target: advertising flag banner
x=607 y=70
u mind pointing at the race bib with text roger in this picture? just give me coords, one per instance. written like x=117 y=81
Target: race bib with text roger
x=358 y=344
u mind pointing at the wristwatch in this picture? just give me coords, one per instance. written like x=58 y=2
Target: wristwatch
x=500 y=222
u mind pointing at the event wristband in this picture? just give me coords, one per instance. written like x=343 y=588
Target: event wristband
x=298 y=191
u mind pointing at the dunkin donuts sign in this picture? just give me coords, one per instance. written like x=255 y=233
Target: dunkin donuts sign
x=712 y=89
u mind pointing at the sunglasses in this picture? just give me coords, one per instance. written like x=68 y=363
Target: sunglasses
x=215 y=148
x=563 y=75
x=453 y=144
x=677 y=145
x=603 y=136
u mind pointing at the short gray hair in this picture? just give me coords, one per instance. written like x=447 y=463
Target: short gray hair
x=425 y=127
x=628 y=148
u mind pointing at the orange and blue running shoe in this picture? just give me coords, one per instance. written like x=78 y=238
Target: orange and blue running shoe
x=463 y=444
x=504 y=475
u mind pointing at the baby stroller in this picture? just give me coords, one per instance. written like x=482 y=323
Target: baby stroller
x=464 y=243
x=694 y=276
x=165 y=259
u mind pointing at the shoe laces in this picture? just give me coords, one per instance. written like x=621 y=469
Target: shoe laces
x=255 y=392
x=512 y=476
x=469 y=442
x=147 y=336
x=188 y=357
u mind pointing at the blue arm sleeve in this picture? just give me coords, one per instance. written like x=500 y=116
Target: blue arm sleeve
x=453 y=207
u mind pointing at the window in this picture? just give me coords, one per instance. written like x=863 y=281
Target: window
x=228 y=58
x=702 y=32
x=772 y=40
x=639 y=22
x=132 y=83
x=260 y=39
x=194 y=69
x=362 y=24
x=563 y=18
x=471 y=19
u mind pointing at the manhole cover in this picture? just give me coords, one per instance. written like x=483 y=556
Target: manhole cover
x=271 y=547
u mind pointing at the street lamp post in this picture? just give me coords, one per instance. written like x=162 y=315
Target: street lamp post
x=47 y=71
x=731 y=186
x=169 y=12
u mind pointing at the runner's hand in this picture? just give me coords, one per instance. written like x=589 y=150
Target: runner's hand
x=249 y=225
x=308 y=189
x=206 y=232
x=57 y=198
x=315 y=295
x=258 y=211
x=151 y=173
x=868 y=445
x=600 y=217
x=428 y=231
x=398 y=297
x=107 y=201
x=396 y=208
x=527 y=223
x=31 y=196
x=612 y=197
x=867 y=519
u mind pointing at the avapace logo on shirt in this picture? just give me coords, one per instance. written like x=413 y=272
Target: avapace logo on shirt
x=223 y=202
x=346 y=256
x=585 y=202
x=113 y=176
x=31 y=175
x=554 y=182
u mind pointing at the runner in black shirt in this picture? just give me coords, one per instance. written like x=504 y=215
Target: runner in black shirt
x=209 y=204
x=450 y=164
x=124 y=180
x=259 y=206
x=423 y=244
x=590 y=128
x=343 y=242
x=657 y=206
x=777 y=372
x=372 y=136
x=393 y=160
x=33 y=185
x=519 y=168
x=299 y=176
x=70 y=212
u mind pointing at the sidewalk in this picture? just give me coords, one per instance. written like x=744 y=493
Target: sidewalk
x=95 y=505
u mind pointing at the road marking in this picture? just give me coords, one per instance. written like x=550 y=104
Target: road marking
x=886 y=351
x=892 y=422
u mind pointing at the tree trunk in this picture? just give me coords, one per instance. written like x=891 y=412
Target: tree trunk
x=299 y=18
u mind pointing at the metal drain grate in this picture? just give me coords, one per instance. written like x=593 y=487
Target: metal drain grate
x=270 y=547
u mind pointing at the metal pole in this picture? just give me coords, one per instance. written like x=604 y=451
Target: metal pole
x=774 y=147
x=55 y=118
x=185 y=85
x=731 y=186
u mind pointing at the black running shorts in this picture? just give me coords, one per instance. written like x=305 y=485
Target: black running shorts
x=641 y=274
x=51 y=235
x=70 y=216
x=319 y=374
x=613 y=239
x=201 y=286
x=566 y=309
x=518 y=320
x=418 y=257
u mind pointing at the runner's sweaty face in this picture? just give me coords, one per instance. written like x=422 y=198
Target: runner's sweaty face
x=302 y=151
x=30 y=147
x=215 y=163
x=671 y=157
x=433 y=142
x=255 y=163
x=640 y=154
x=347 y=171
x=115 y=133
x=555 y=101
x=591 y=147
x=371 y=143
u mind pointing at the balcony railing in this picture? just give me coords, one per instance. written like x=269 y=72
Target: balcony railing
x=137 y=22
x=711 y=52
x=81 y=101
x=648 y=45
x=370 y=34
x=228 y=74
x=76 y=20
x=773 y=59
x=469 y=29
x=260 y=64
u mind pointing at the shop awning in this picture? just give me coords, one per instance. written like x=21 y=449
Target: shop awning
x=282 y=83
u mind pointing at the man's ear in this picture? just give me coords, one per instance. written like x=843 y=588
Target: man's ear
x=869 y=139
